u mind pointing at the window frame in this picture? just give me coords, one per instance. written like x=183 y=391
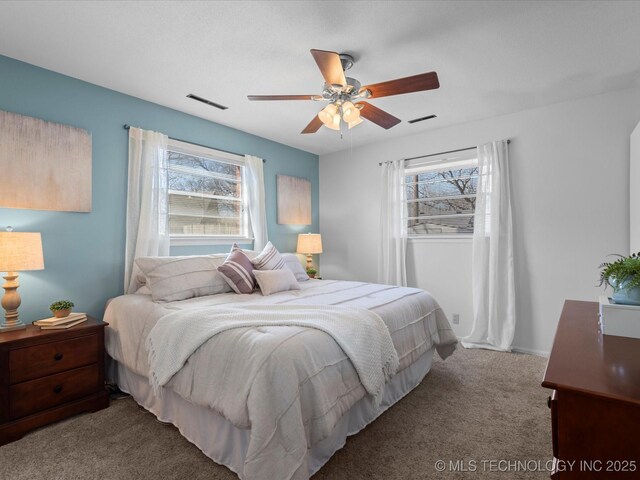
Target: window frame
x=438 y=162
x=176 y=240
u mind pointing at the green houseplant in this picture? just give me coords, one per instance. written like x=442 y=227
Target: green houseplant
x=623 y=276
x=311 y=272
x=61 y=308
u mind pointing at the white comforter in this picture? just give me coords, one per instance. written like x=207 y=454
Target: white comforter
x=361 y=334
x=288 y=384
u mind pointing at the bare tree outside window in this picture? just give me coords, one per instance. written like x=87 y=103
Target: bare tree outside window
x=205 y=196
x=441 y=201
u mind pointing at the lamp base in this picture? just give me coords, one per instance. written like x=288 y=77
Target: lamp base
x=8 y=328
x=10 y=302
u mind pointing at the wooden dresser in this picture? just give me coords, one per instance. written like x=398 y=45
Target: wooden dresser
x=48 y=375
x=595 y=402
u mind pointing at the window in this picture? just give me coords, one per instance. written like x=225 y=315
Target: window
x=207 y=195
x=441 y=196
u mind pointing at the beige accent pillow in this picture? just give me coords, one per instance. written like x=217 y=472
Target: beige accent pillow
x=179 y=278
x=274 y=281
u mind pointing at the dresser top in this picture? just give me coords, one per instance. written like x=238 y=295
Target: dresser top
x=584 y=360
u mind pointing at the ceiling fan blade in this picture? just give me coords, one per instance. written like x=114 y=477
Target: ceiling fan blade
x=313 y=126
x=416 y=83
x=281 y=97
x=378 y=116
x=330 y=66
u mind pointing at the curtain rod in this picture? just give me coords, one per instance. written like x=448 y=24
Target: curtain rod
x=127 y=127
x=439 y=153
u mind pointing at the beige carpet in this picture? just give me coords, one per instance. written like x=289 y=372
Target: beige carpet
x=477 y=405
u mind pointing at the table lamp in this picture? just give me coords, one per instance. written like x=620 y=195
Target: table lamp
x=308 y=244
x=19 y=251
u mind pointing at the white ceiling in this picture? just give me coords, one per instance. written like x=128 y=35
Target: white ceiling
x=492 y=57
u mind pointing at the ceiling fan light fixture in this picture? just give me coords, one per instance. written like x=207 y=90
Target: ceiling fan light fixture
x=328 y=113
x=335 y=122
x=355 y=122
x=349 y=112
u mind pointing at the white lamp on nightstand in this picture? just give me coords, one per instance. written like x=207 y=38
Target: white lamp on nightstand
x=19 y=251
x=309 y=244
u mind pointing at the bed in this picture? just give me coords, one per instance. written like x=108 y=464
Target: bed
x=274 y=401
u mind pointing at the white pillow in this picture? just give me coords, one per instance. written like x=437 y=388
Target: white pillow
x=143 y=290
x=268 y=259
x=292 y=262
x=274 y=281
x=179 y=278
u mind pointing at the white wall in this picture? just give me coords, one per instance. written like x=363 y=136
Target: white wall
x=570 y=184
x=634 y=184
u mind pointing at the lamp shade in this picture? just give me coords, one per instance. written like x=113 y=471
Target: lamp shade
x=20 y=251
x=309 y=243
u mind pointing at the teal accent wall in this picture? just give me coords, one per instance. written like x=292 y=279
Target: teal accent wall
x=84 y=252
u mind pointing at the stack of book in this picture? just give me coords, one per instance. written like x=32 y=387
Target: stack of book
x=55 y=323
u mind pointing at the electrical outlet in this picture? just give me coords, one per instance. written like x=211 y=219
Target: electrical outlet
x=456 y=319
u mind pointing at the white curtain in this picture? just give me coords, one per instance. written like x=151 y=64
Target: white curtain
x=492 y=268
x=257 y=207
x=147 y=201
x=393 y=216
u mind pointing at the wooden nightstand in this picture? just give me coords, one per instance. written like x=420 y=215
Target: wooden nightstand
x=48 y=375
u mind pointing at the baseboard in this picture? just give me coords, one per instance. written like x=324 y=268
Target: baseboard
x=529 y=351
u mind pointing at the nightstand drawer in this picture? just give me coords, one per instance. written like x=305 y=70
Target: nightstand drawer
x=41 y=360
x=35 y=395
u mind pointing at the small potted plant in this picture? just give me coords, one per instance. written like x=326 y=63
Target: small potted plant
x=61 y=308
x=623 y=276
x=311 y=272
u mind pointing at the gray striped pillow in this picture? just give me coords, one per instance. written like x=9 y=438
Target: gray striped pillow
x=268 y=259
x=237 y=270
x=179 y=278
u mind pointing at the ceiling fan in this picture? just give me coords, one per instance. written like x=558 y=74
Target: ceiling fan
x=346 y=96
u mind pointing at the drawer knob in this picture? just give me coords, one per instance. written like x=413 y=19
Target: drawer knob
x=57 y=389
x=57 y=357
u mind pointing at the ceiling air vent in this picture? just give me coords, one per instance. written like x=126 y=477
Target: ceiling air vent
x=208 y=102
x=422 y=119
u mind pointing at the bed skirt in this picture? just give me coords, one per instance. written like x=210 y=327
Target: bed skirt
x=227 y=444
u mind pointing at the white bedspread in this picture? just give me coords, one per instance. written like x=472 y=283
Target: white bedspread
x=310 y=380
x=361 y=334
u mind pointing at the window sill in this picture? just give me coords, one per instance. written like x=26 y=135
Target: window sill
x=195 y=240
x=462 y=238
